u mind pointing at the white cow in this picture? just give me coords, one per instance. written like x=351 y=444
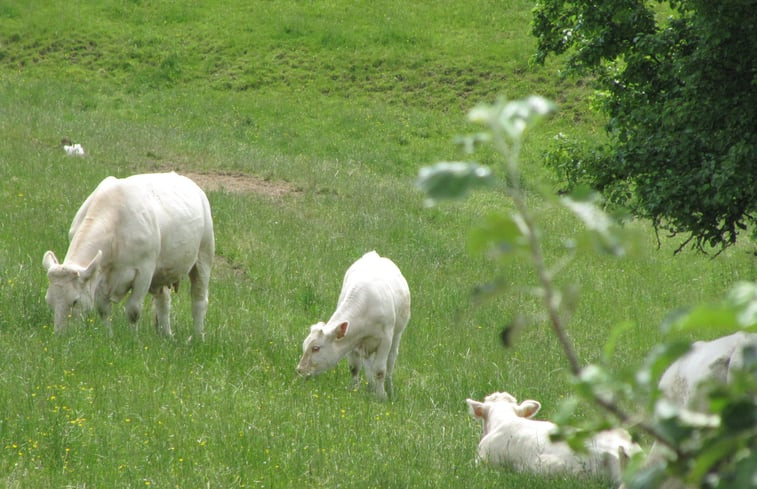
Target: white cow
x=706 y=361
x=682 y=382
x=511 y=438
x=138 y=234
x=371 y=314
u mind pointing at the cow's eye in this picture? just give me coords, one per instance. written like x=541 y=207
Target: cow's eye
x=315 y=348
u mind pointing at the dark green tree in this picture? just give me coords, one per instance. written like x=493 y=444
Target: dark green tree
x=679 y=86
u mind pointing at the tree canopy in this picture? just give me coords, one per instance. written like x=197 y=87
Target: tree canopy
x=678 y=81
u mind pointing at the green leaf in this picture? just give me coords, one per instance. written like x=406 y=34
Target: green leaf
x=600 y=225
x=658 y=360
x=710 y=455
x=739 y=415
x=668 y=423
x=501 y=233
x=595 y=381
x=451 y=180
x=469 y=142
x=566 y=411
x=743 y=298
x=719 y=319
x=648 y=476
x=738 y=311
x=512 y=117
x=745 y=471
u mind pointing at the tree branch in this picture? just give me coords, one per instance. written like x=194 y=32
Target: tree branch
x=551 y=300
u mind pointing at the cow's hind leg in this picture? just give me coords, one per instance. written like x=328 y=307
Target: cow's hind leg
x=162 y=299
x=199 y=277
x=379 y=361
x=399 y=327
x=390 y=361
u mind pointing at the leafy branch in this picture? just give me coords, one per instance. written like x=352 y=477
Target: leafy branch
x=506 y=123
x=716 y=449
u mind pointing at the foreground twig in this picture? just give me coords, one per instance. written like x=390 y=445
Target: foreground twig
x=551 y=298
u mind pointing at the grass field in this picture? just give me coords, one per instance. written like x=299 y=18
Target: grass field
x=307 y=123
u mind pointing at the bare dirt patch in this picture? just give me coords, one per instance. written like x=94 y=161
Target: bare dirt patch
x=239 y=183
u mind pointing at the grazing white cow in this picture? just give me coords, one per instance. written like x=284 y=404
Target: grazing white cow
x=511 y=438
x=138 y=234
x=371 y=314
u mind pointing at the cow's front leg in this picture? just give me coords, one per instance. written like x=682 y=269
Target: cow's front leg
x=356 y=362
x=136 y=299
x=103 y=310
x=378 y=384
x=162 y=299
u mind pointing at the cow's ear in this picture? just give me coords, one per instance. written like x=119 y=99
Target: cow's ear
x=93 y=266
x=341 y=330
x=476 y=409
x=49 y=260
x=527 y=409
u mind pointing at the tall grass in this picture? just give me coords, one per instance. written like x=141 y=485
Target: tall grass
x=344 y=101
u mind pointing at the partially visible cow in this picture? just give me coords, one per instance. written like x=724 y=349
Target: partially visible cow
x=135 y=235
x=683 y=382
x=706 y=361
x=371 y=314
x=511 y=438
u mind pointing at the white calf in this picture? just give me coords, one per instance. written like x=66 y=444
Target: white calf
x=371 y=314
x=511 y=438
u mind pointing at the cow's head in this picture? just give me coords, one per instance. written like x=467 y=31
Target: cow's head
x=498 y=407
x=320 y=350
x=71 y=291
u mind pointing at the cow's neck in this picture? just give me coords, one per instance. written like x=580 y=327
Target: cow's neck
x=347 y=343
x=92 y=235
x=352 y=305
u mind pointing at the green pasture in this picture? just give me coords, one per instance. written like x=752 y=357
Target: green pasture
x=322 y=112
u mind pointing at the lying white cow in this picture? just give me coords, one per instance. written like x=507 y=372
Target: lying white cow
x=371 y=314
x=139 y=234
x=706 y=361
x=511 y=438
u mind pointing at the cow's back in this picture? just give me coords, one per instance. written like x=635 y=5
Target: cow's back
x=374 y=285
x=157 y=223
x=167 y=220
x=707 y=361
x=176 y=207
